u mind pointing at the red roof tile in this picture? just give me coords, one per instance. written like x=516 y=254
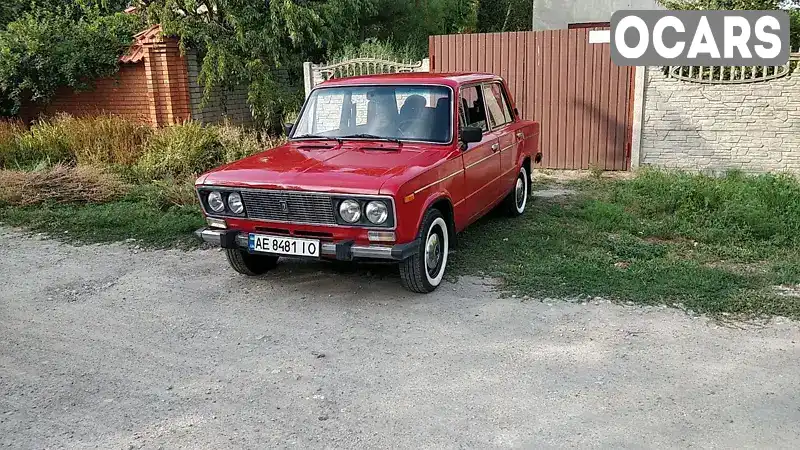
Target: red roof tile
x=136 y=52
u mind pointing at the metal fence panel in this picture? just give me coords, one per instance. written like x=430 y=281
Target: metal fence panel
x=582 y=100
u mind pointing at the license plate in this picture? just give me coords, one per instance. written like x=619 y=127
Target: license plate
x=283 y=245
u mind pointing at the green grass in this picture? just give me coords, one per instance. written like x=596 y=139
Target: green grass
x=715 y=245
x=150 y=225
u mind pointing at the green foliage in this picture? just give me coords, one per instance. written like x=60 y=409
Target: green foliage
x=261 y=44
x=132 y=150
x=99 y=140
x=505 y=15
x=386 y=50
x=791 y=5
x=48 y=47
x=408 y=23
x=185 y=151
x=722 y=4
x=181 y=151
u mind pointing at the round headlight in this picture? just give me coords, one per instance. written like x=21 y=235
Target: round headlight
x=215 y=202
x=377 y=212
x=235 y=203
x=350 y=211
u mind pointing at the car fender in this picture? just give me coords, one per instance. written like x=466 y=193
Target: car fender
x=433 y=198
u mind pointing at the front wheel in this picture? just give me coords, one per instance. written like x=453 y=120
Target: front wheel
x=249 y=264
x=517 y=199
x=424 y=271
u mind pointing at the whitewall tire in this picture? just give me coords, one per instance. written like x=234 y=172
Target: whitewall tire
x=424 y=271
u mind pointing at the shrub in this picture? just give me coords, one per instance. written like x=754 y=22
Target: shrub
x=181 y=151
x=44 y=144
x=97 y=140
x=238 y=142
x=59 y=184
x=167 y=193
x=10 y=131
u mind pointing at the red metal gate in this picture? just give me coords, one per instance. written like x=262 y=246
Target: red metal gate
x=582 y=100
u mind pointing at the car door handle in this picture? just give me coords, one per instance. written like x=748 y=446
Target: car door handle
x=520 y=135
x=495 y=147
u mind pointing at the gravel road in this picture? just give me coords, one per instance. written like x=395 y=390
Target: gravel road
x=112 y=347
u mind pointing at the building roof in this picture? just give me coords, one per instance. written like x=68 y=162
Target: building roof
x=449 y=79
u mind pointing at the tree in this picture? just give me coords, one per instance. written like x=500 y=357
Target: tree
x=260 y=43
x=505 y=15
x=792 y=6
x=45 y=47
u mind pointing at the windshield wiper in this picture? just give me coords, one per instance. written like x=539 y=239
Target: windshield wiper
x=372 y=136
x=318 y=136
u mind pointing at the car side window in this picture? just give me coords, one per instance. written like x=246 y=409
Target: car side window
x=499 y=109
x=473 y=113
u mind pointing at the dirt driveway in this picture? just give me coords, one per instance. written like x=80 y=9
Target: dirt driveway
x=110 y=347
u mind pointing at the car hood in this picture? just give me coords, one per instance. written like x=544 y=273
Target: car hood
x=355 y=167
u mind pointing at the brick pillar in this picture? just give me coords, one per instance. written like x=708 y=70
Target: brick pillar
x=167 y=83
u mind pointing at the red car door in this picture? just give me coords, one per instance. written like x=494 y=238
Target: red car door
x=481 y=159
x=503 y=125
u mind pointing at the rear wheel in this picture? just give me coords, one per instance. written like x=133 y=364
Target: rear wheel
x=517 y=199
x=424 y=271
x=249 y=264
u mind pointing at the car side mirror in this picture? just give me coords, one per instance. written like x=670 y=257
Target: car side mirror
x=516 y=112
x=288 y=128
x=471 y=134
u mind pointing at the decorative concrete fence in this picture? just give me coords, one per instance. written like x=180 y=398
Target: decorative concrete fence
x=315 y=74
x=715 y=119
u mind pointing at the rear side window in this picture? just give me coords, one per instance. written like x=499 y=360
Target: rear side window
x=496 y=103
x=473 y=113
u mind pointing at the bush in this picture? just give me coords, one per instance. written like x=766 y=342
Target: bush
x=181 y=151
x=44 y=144
x=59 y=184
x=99 y=140
x=165 y=194
x=10 y=131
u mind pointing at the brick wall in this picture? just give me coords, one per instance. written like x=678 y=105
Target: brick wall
x=754 y=127
x=124 y=94
x=224 y=105
x=151 y=87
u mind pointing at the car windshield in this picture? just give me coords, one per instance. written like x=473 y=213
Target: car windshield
x=405 y=113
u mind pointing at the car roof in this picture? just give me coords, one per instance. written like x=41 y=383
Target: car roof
x=449 y=79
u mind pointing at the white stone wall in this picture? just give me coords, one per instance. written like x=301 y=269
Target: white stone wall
x=231 y=105
x=754 y=127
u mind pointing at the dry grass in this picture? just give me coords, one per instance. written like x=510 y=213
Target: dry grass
x=106 y=140
x=59 y=184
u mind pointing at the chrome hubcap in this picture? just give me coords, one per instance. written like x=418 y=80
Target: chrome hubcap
x=433 y=253
x=520 y=192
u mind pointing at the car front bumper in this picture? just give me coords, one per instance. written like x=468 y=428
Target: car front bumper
x=342 y=251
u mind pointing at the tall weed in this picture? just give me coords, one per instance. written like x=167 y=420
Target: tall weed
x=181 y=151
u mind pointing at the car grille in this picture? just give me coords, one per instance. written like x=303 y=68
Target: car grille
x=300 y=207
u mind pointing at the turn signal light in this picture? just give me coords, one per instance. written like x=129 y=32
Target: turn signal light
x=381 y=236
x=216 y=223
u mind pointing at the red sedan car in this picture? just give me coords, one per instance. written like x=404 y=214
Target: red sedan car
x=384 y=167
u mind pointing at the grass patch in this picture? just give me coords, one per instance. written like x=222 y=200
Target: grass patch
x=150 y=225
x=715 y=245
